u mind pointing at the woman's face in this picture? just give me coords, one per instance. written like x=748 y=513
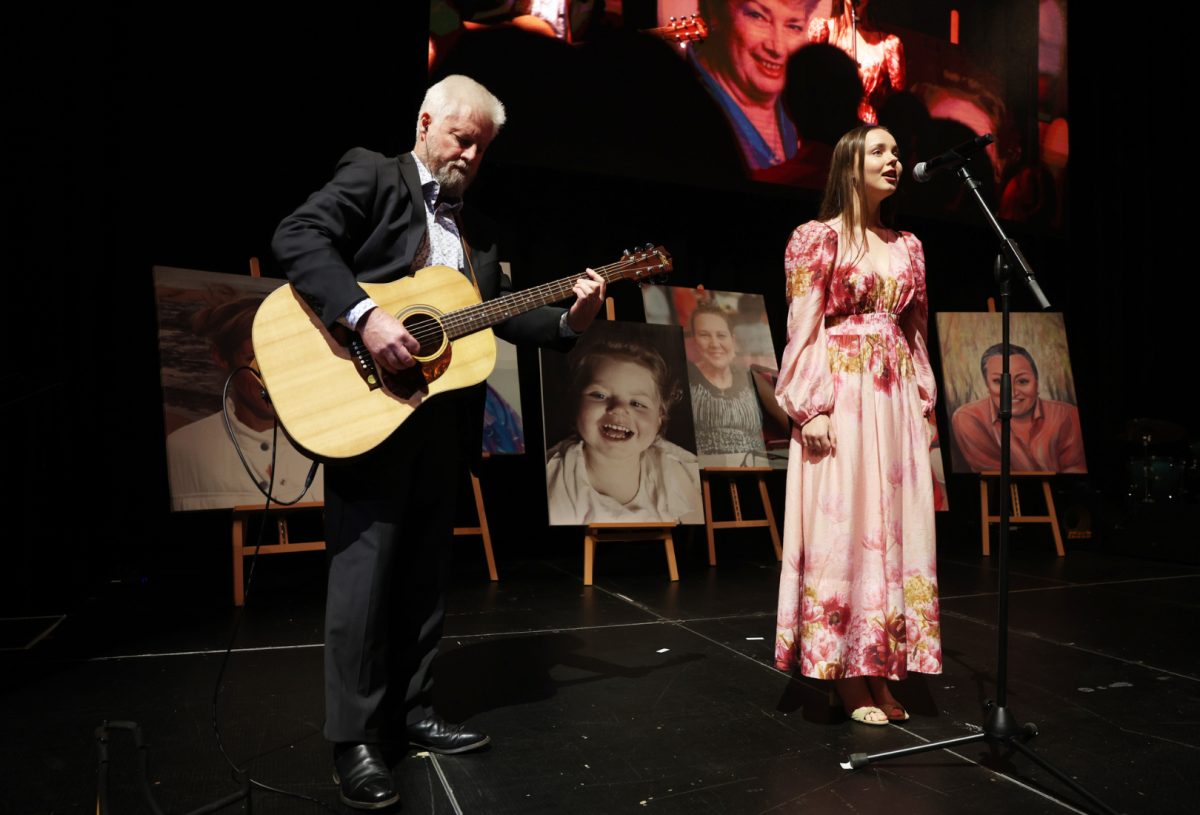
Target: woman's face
x=620 y=409
x=1024 y=384
x=762 y=35
x=881 y=164
x=714 y=340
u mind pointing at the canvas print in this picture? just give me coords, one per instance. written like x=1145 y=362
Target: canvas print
x=620 y=447
x=731 y=373
x=204 y=322
x=1045 y=414
x=503 y=426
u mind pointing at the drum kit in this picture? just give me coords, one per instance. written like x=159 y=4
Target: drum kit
x=1162 y=466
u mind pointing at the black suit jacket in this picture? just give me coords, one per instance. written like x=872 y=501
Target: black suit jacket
x=366 y=225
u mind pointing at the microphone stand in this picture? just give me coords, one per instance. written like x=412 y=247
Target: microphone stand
x=1001 y=726
x=854 y=34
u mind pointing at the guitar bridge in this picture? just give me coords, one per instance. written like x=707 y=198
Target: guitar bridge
x=364 y=363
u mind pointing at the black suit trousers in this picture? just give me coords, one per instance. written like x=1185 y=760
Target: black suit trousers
x=389 y=518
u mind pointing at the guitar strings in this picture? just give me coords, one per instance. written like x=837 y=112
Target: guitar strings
x=480 y=315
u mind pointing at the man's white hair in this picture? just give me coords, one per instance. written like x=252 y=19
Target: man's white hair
x=457 y=91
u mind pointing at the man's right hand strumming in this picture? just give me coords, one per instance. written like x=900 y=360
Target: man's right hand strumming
x=388 y=340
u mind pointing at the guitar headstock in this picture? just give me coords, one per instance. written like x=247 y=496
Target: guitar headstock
x=682 y=30
x=641 y=264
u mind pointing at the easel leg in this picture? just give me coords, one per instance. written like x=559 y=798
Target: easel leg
x=239 y=542
x=708 y=519
x=766 y=502
x=1058 y=544
x=589 y=556
x=669 y=545
x=983 y=520
x=483 y=528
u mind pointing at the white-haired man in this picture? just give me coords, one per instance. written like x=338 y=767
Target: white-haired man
x=389 y=513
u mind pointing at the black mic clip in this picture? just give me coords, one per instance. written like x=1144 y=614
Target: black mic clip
x=951 y=159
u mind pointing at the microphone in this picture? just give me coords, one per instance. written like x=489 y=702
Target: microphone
x=951 y=159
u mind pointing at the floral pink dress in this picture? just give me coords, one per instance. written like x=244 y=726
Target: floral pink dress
x=858 y=590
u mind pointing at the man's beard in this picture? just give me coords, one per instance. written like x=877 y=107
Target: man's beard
x=452 y=180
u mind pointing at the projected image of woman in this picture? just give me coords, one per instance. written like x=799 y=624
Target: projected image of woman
x=744 y=66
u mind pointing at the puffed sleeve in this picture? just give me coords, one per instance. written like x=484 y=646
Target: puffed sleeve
x=893 y=56
x=805 y=386
x=915 y=323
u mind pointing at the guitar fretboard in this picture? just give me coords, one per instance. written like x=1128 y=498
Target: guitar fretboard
x=474 y=318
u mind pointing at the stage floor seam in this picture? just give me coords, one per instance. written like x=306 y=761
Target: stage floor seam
x=958 y=615
x=793 y=678
x=1063 y=586
x=441 y=774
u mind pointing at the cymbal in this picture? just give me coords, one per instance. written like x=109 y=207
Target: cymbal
x=1155 y=431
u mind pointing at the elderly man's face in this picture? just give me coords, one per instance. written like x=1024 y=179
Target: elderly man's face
x=452 y=146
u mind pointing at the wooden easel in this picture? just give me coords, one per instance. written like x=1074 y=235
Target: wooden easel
x=482 y=528
x=1051 y=517
x=738 y=522
x=642 y=531
x=283 y=544
x=987 y=519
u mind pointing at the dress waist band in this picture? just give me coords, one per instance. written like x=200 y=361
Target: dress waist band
x=868 y=323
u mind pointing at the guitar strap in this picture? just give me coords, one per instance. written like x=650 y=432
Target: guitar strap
x=462 y=236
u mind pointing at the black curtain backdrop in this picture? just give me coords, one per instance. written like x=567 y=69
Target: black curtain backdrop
x=136 y=138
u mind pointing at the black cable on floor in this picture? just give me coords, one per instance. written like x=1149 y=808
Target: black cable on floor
x=244 y=780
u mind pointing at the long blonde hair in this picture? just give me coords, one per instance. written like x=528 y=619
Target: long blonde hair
x=845 y=198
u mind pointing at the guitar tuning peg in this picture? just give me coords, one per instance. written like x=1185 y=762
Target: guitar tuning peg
x=625 y=253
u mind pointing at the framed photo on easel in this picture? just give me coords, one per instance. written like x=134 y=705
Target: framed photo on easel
x=731 y=371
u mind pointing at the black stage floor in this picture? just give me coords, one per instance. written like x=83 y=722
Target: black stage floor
x=635 y=695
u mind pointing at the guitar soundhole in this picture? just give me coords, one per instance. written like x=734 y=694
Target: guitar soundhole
x=427 y=330
x=433 y=357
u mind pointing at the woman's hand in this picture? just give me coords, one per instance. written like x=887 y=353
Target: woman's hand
x=817 y=436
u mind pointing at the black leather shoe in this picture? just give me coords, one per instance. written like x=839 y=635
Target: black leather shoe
x=363 y=777
x=437 y=735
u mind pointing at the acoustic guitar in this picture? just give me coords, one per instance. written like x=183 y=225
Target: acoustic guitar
x=331 y=397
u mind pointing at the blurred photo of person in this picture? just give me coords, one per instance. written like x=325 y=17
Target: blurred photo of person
x=616 y=465
x=202 y=465
x=743 y=64
x=1045 y=432
x=879 y=54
